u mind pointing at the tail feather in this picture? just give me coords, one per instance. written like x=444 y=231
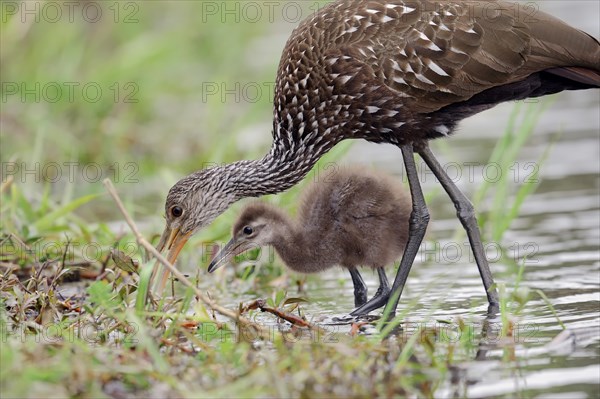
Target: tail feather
x=577 y=74
x=555 y=42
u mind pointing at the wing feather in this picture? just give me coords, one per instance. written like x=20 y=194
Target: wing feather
x=455 y=48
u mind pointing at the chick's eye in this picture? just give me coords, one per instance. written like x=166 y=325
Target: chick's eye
x=247 y=230
x=176 y=211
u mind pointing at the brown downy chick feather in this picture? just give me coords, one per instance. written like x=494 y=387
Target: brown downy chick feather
x=352 y=218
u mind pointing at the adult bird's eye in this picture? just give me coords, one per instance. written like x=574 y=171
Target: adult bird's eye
x=176 y=211
x=247 y=230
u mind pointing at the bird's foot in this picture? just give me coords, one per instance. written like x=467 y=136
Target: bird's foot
x=350 y=320
x=378 y=301
x=360 y=298
x=493 y=309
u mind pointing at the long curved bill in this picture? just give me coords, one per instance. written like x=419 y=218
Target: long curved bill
x=174 y=241
x=231 y=249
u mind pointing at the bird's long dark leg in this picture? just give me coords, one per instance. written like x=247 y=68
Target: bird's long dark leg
x=380 y=297
x=466 y=215
x=419 y=218
x=360 y=288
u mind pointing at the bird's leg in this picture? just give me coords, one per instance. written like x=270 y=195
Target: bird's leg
x=360 y=288
x=466 y=215
x=384 y=285
x=419 y=218
x=380 y=297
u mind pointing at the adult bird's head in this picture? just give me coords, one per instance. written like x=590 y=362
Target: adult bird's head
x=197 y=199
x=192 y=203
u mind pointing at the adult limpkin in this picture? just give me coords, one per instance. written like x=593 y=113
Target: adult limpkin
x=398 y=72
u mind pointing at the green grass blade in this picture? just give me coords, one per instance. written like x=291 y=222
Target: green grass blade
x=545 y=298
x=145 y=273
x=51 y=218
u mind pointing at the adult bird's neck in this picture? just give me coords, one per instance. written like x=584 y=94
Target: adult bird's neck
x=284 y=166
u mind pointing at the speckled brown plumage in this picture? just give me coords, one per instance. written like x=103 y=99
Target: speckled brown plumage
x=352 y=218
x=398 y=72
x=387 y=71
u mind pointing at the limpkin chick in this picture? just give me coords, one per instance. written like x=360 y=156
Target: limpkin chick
x=353 y=218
